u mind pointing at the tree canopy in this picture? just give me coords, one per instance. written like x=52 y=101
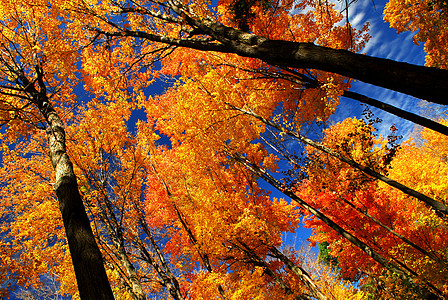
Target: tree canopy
x=197 y=198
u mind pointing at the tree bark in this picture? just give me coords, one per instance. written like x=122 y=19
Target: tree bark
x=418 y=81
x=87 y=260
x=91 y=276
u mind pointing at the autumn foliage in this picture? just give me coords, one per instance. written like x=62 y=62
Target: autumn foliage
x=176 y=200
x=399 y=227
x=429 y=20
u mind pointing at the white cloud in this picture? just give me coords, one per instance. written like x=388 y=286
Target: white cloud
x=358 y=20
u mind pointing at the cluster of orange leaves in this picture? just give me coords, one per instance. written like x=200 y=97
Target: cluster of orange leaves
x=341 y=187
x=429 y=20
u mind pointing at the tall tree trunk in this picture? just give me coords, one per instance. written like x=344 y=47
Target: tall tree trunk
x=418 y=81
x=91 y=276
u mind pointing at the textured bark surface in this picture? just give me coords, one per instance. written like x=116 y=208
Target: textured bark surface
x=91 y=276
x=418 y=81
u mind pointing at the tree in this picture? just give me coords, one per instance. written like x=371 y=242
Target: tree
x=110 y=172
x=395 y=225
x=238 y=96
x=263 y=43
x=303 y=80
x=212 y=92
x=202 y=29
x=37 y=77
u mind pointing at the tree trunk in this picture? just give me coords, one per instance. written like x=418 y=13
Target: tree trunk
x=418 y=81
x=91 y=276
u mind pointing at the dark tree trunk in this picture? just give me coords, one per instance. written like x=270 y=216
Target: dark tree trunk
x=90 y=274
x=422 y=82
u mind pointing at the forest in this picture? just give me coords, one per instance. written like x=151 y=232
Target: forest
x=170 y=149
